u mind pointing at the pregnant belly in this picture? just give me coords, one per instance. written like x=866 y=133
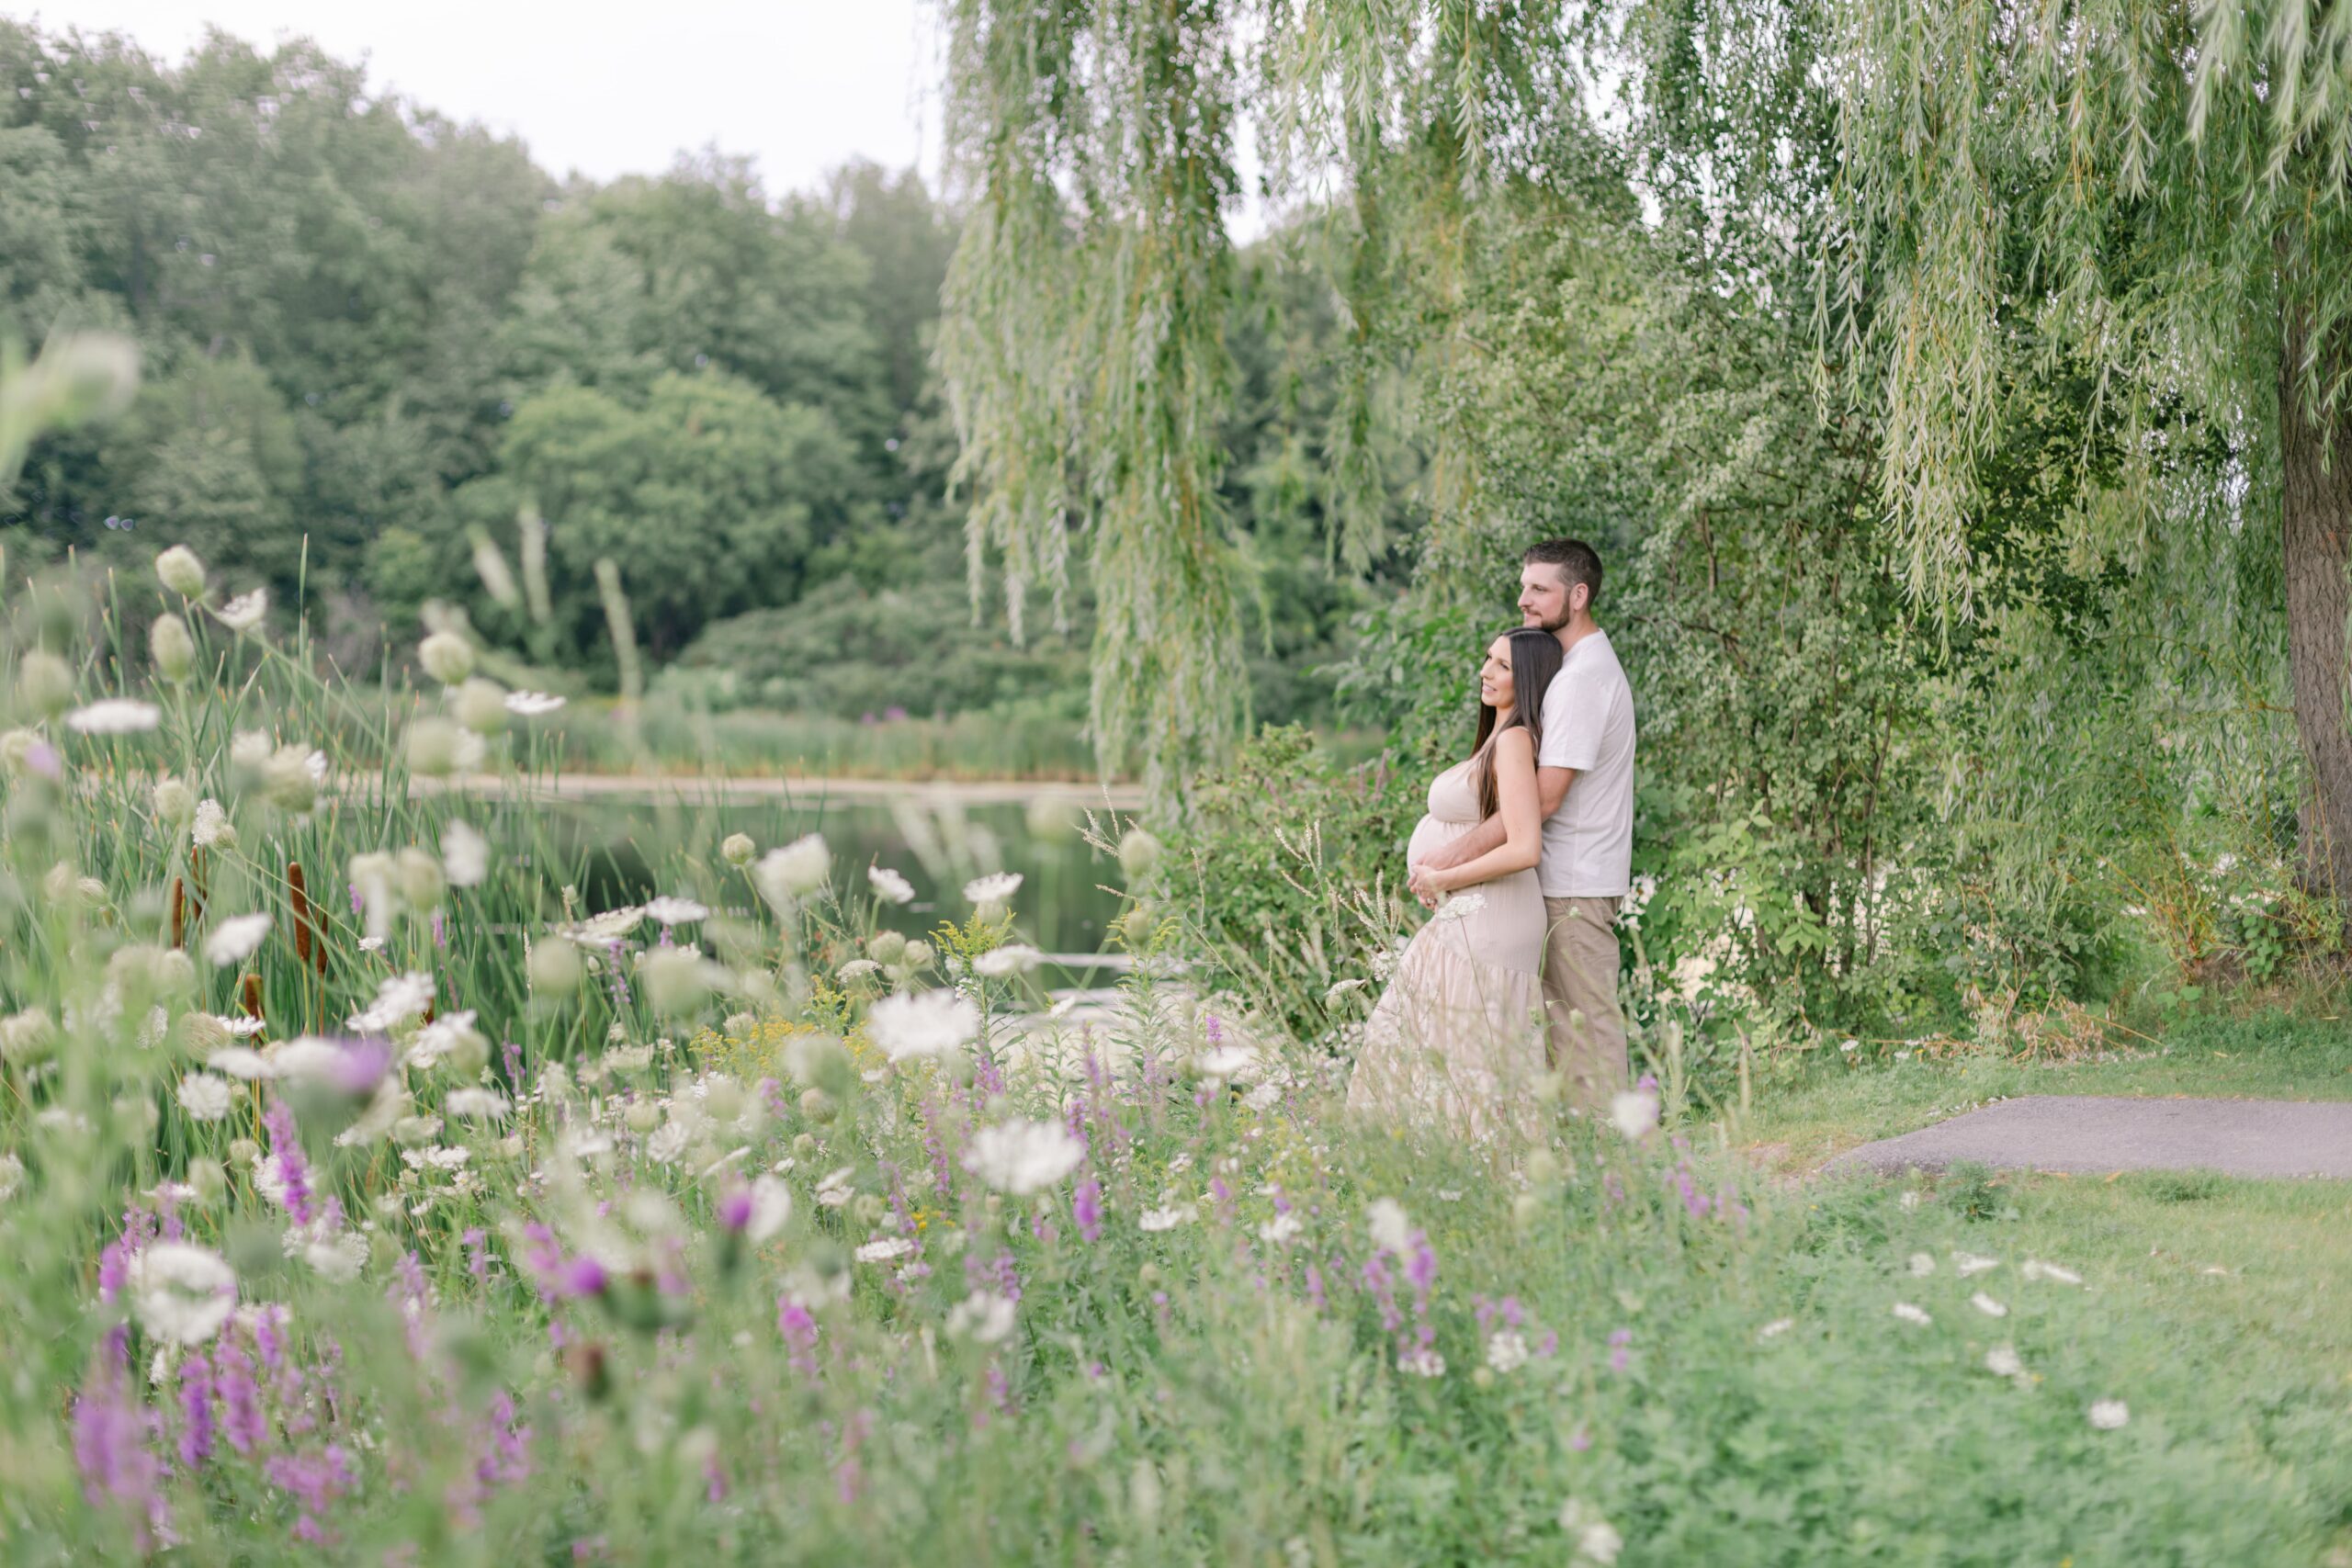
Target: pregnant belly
x=1431 y=833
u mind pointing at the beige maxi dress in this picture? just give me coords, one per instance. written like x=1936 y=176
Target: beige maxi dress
x=1457 y=1039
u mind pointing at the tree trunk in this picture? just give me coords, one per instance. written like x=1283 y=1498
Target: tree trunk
x=2315 y=463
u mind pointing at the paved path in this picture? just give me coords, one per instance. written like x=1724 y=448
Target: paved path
x=2085 y=1133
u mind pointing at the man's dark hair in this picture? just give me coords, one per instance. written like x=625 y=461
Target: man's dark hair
x=1577 y=561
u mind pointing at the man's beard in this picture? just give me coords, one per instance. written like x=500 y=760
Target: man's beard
x=1540 y=623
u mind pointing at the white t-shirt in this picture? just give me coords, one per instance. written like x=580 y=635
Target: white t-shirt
x=1588 y=726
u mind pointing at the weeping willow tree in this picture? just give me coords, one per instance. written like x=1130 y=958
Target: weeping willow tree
x=1083 y=344
x=2153 y=195
x=1092 y=148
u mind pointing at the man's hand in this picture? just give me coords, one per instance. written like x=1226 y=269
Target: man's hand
x=1423 y=879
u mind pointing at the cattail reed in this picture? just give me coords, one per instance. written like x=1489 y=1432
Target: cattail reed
x=179 y=912
x=249 y=993
x=309 y=935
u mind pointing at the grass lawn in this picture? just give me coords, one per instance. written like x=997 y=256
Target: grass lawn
x=2226 y=1319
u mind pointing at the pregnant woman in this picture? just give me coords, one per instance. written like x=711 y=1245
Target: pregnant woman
x=1457 y=1039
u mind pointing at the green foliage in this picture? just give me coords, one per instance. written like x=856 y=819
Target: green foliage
x=1289 y=874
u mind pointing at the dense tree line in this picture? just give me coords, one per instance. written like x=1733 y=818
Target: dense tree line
x=375 y=338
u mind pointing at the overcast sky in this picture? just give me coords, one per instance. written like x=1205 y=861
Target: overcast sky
x=609 y=88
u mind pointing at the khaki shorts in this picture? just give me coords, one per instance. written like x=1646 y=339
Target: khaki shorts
x=1580 y=976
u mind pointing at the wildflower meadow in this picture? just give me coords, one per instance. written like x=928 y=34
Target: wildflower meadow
x=367 y=1194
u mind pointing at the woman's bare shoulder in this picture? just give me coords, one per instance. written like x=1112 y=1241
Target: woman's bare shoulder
x=1516 y=745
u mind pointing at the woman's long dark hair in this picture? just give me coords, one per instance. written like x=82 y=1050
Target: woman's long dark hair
x=1535 y=657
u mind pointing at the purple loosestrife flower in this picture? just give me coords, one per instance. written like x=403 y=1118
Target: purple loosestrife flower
x=1086 y=1209
x=111 y=1448
x=241 y=1418
x=800 y=1332
x=735 y=1209
x=196 y=1412
x=477 y=1245
x=293 y=1174
x=1620 y=1357
x=113 y=1272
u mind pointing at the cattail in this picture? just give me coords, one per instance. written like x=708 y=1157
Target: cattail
x=196 y=878
x=249 y=993
x=179 y=912
x=301 y=900
x=310 y=929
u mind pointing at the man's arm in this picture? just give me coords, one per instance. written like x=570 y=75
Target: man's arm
x=1551 y=788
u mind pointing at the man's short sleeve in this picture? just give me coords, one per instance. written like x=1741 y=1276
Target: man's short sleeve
x=1576 y=706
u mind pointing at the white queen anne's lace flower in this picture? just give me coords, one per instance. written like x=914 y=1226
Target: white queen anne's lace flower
x=983 y=1316
x=1461 y=907
x=1023 y=1156
x=885 y=1249
x=181 y=1293
x=2002 y=1362
x=465 y=855
x=908 y=1027
x=205 y=1096
x=673 y=911
x=1633 y=1112
x=2109 y=1415
x=1391 y=1227
x=1167 y=1219
x=1912 y=1314
x=793 y=870
x=114 y=716
x=998 y=888
x=1012 y=958
x=243 y=612
x=532 y=704
x=889 y=885
x=235 y=939
x=398 y=1000
x=211 y=826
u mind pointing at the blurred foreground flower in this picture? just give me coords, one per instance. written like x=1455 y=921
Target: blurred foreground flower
x=910 y=1027
x=1023 y=1156
x=114 y=716
x=182 y=1293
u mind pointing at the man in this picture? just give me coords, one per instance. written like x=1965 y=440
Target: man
x=1584 y=781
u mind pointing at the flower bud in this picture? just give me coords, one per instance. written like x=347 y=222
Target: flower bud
x=723 y=1098
x=243 y=1152
x=818 y=1106
x=1052 y=818
x=436 y=748
x=887 y=948
x=737 y=850
x=447 y=657
x=201 y=1034
x=1139 y=852
x=181 y=571
x=918 y=955
x=869 y=1208
x=676 y=979
x=555 y=967
x=173 y=649
x=419 y=877
x=44 y=682
x=175 y=803
x=290 y=780
x=205 y=1175
x=415 y=1132
x=469 y=1054
x=1138 y=924
x=642 y=1116
x=481 y=707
